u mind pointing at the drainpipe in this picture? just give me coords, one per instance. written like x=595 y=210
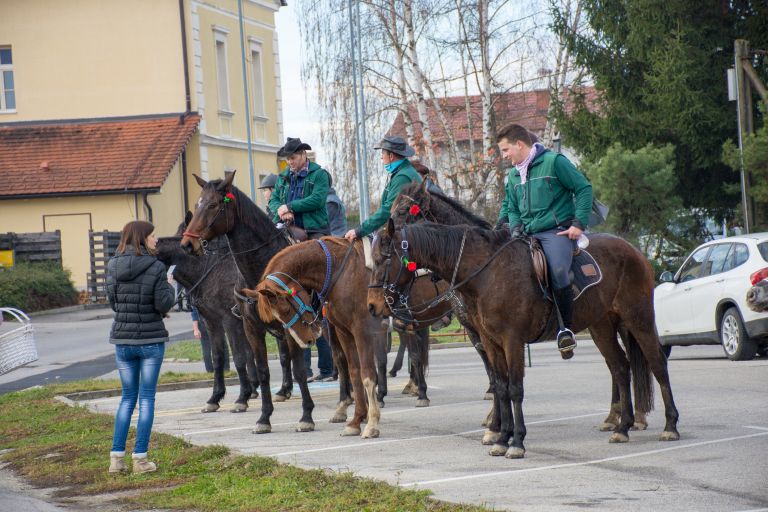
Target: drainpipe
x=148 y=207
x=187 y=105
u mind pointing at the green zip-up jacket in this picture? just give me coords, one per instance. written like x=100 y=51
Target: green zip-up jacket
x=555 y=194
x=312 y=205
x=404 y=175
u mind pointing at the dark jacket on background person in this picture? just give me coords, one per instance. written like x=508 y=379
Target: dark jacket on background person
x=309 y=212
x=554 y=194
x=139 y=294
x=403 y=175
x=337 y=214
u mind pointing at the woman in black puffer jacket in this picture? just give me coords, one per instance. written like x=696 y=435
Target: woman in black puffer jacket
x=140 y=296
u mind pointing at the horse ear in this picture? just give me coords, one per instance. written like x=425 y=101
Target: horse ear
x=390 y=228
x=200 y=181
x=226 y=184
x=187 y=218
x=250 y=293
x=424 y=185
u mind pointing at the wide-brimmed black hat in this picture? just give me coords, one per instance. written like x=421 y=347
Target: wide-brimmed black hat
x=293 y=146
x=396 y=145
x=269 y=181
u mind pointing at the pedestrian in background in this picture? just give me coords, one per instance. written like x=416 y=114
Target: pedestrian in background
x=140 y=296
x=337 y=214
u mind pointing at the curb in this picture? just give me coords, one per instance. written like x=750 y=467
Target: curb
x=172 y=386
x=67 y=309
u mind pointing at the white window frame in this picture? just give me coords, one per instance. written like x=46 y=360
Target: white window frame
x=257 y=81
x=7 y=67
x=222 y=69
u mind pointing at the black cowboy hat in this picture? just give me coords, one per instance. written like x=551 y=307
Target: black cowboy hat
x=293 y=146
x=396 y=145
x=269 y=181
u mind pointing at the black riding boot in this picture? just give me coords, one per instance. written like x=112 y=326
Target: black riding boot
x=566 y=341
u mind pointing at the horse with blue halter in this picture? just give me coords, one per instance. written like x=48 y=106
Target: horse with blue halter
x=492 y=275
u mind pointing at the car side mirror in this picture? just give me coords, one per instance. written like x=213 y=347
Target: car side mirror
x=667 y=277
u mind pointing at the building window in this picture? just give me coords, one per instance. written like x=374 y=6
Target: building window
x=222 y=76
x=7 y=86
x=257 y=80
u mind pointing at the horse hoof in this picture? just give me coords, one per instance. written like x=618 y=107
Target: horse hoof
x=350 y=431
x=488 y=396
x=210 y=408
x=409 y=388
x=255 y=394
x=669 y=436
x=370 y=433
x=490 y=437
x=262 y=428
x=381 y=404
x=617 y=437
x=305 y=426
x=239 y=407
x=497 y=450
x=607 y=427
x=338 y=418
x=422 y=402
x=515 y=453
x=639 y=426
x=281 y=398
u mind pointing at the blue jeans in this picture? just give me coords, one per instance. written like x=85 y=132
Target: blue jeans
x=558 y=249
x=324 y=358
x=139 y=367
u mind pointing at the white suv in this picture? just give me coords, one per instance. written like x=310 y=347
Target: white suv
x=705 y=301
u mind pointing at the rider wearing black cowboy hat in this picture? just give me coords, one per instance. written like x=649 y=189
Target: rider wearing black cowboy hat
x=300 y=191
x=394 y=154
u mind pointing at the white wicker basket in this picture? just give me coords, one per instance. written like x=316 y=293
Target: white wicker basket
x=17 y=347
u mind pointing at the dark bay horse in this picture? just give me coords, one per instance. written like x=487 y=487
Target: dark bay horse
x=441 y=209
x=495 y=279
x=223 y=210
x=210 y=280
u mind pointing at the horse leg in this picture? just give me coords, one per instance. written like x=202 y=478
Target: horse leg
x=492 y=421
x=345 y=389
x=286 y=389
x=239 y=356
x=306 y=424
x=348 y=345
x=501 y=395
x=250 y=363
x=380 y=359
x=419 y=361
x=368 y=373
x=216 y=336
x=604 y=336
x=398 y=364
x=255 y=334
x=516 y=365
x=642 y=380
x=475 y=339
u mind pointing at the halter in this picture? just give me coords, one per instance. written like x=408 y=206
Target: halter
x=302 y=307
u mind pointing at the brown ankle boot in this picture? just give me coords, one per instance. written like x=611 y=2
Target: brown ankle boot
x=142 y=465
x=117 y=463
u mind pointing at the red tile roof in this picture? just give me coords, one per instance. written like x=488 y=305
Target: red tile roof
x=91 y=155
x=525 y=108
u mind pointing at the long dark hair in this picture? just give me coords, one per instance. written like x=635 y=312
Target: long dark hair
x=135 y=234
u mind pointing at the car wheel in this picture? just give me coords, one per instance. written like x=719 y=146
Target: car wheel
x=667 y=349
x=733 y=336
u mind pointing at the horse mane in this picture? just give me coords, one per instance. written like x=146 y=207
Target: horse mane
x=249 y=214
x=443 y=243
x=458 y=208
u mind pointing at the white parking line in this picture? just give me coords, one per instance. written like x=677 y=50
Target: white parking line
x=585 y=463
x=418 y=438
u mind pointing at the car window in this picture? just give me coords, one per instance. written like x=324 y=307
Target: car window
x=763 y=248
x=738 y=256
x=692 y=267
x=716 y=260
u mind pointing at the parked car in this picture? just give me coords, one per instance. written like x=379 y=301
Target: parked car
x=705 y=301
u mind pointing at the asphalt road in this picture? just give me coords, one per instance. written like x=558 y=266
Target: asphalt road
x=719 y=464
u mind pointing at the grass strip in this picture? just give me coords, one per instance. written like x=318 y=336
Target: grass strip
x=55 y=445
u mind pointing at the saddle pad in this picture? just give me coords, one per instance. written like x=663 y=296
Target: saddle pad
x=586 y=273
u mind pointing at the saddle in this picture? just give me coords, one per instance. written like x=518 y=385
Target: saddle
x=294 y=234
x=585 y=272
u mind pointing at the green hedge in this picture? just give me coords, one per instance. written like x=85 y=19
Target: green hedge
x=36 y=286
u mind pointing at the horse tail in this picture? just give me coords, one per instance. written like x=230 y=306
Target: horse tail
x=642 y=379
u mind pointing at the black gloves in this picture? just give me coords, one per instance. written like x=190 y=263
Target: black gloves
x=517 y=231
x=500 y=225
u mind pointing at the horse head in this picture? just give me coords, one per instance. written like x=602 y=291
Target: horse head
x=215 y=213
x=412 y=204
x=757 y=296
x=289 y=305
x=392 y=271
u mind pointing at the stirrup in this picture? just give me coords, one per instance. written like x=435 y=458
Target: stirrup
x=566 y=342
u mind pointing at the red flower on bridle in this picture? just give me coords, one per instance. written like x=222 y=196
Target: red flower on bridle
x=415 y=209
x=229 y=197
x=410 y=265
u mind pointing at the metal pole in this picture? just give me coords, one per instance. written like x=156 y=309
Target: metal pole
x=365 y=207
x=361 y=189
x=247 y=102
x=740 y=52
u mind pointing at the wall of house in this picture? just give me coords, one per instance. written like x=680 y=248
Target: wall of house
x=83 y=59
x=221 y=159
x=167 y=206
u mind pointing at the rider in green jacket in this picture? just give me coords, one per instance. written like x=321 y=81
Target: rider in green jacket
x=394 y=154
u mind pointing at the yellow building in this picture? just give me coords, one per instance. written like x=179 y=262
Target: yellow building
x=108 y=107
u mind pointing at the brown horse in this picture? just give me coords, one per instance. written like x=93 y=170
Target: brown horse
x=441 y=209
x=495 y=280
